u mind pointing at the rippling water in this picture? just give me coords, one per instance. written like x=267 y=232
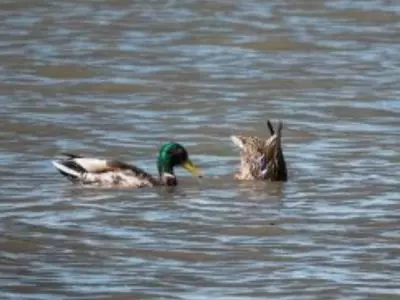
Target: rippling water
x=118 y=78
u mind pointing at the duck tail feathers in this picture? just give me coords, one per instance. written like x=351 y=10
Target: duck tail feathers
x=67 y=170
x=71 y=155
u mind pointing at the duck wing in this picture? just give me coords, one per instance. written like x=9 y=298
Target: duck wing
x=102 y=171
x=276 y=168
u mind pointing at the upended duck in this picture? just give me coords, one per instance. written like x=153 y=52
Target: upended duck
x=114 y=173
x=261 y=159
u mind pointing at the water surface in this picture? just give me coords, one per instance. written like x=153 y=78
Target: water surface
x=117 y=79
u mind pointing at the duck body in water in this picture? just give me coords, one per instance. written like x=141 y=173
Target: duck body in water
x=261 y=159
x=98 y=172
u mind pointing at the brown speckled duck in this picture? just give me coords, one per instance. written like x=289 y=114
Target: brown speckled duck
x=114 y=173
x=261 y=159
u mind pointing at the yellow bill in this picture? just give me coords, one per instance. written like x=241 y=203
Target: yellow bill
x=192 y=168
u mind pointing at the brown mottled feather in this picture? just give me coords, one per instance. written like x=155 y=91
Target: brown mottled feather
x=254 y=148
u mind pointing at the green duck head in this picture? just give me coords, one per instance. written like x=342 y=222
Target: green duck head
x=172 y=155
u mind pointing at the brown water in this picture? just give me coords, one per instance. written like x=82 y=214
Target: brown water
x=119 y=78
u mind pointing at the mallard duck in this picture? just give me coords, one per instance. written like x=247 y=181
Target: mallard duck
x=261 y=159
x=114 y=173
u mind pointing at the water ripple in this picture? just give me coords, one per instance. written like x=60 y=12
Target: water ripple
x=117 y=79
